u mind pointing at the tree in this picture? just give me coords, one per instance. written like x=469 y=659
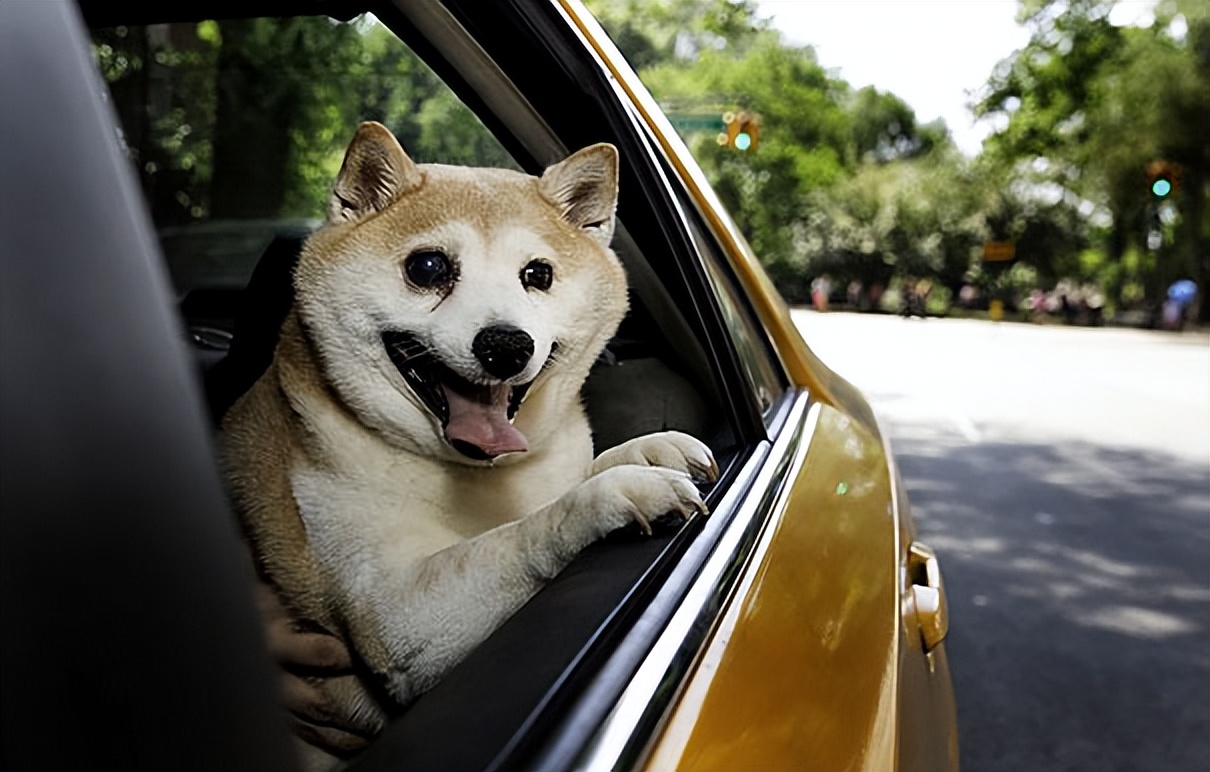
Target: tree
x=1090 y=105
x=884 y=128
x=649 y=32
x=911 y=218
x=804 y=140
x=250 y=118
x=162 y=83
x=805 y=199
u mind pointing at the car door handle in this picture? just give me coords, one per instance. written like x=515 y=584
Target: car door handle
x=928 y=594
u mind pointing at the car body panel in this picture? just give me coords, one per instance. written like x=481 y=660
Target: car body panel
x=803 y=667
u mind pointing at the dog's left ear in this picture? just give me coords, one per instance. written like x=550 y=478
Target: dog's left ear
x=584 y=188
x=375 y=172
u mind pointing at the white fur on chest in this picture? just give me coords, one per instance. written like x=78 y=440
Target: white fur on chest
x=361 y=499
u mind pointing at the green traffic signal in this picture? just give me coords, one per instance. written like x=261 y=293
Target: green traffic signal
x=1163 y=178
x=741 y=131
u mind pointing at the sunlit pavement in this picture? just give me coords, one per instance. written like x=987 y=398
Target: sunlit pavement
x=1063 y=476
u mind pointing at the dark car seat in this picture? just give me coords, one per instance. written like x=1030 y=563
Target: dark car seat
x=262 y=309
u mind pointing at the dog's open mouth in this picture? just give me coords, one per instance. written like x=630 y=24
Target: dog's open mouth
x=477 y=418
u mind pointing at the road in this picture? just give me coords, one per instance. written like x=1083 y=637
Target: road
x=1063 y=476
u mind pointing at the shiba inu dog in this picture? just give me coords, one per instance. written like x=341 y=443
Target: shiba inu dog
x=416 y=463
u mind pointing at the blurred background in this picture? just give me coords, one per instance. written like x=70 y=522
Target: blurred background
x=1041 y=159
x=1058 y=168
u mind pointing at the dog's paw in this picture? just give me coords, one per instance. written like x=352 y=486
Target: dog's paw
x=638 y=494
x=669 y=450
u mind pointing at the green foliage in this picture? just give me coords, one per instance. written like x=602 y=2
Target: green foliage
x=808 y=198
x=251 y=118
x=884 y=128
x=1088 y=107
x=848 y=183
x=910 y=218
x=653 y=31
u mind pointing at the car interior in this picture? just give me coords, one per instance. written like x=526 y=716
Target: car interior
x=201 y=101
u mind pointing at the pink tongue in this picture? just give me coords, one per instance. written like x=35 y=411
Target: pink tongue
x=484 y=424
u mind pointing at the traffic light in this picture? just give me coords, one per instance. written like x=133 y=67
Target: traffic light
x=1163 y=179
x=742 y=131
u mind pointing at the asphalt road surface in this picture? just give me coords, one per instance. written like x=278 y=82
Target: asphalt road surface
x=1063 y=477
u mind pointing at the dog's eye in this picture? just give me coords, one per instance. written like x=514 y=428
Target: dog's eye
x=429 y=268
x=537 y=275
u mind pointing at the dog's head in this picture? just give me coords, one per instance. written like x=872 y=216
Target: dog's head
x=457 y=311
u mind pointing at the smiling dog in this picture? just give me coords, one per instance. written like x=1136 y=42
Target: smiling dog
x=416 y=462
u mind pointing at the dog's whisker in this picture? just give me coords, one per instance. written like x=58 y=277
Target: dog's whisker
x=411 y=347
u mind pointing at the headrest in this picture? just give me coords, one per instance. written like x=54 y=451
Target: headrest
x=263 y=307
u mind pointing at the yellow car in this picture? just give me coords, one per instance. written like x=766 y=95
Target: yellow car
x=800 y=626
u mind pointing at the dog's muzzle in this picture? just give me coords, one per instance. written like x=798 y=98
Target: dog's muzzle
x=476 y=417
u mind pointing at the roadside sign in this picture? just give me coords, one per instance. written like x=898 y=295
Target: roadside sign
x=996 y=251
x=688 y=122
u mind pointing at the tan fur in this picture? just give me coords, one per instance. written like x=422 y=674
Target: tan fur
x=358 y=509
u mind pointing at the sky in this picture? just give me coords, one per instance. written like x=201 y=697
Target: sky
x=933 y=54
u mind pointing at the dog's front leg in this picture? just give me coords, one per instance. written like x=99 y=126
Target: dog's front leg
x=672 y=450
x=413 y=623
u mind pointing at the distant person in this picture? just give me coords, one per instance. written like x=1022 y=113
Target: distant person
x=856 y=294
x=967 y=296
x=912 y=301
x=1173 y=315
x=875 y=296
x=1037 y=306
x=819 y=292
x=1180 y=296
x=1068 y=309
x=1096 y=307
x=923 y=288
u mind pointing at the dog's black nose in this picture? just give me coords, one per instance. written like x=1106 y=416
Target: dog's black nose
x=503 y=350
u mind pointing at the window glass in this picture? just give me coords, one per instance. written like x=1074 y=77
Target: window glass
x=763 y=372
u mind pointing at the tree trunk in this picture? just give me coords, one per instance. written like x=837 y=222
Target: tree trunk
x=254 y=113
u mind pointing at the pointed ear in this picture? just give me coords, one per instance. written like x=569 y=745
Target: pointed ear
x=375 y=172
x=584 y=188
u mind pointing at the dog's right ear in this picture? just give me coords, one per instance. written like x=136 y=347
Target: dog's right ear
x=584 y=188
x=375 y=172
